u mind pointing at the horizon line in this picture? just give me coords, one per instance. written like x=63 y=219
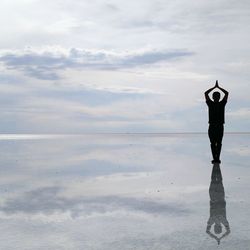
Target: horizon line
x=115 y=133
x=174 y=132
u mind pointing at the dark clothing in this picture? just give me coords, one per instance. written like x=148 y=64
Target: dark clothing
x=215 y=133
x=216 y=111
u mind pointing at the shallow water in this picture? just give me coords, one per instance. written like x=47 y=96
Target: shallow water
x=120 y=192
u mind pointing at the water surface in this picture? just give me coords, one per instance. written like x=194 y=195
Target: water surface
x=119 y=191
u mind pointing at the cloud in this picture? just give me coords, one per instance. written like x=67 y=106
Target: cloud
x=45 y=64
x=240 y=113
x=48 y=200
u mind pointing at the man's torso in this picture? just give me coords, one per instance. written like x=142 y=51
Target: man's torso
x=216 y=112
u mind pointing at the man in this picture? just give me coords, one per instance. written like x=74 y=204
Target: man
x=216 y=111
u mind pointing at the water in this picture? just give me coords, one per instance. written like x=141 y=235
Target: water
x=112 y=192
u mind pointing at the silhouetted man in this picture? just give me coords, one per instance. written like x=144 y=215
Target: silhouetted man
x=216 y=111
x=217 y=206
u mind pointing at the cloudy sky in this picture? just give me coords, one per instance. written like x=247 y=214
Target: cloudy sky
x=70 y=66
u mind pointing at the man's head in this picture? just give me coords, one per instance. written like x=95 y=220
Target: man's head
x=217 y=228
x=216 y=96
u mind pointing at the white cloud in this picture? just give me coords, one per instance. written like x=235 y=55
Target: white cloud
x=240 y=113
x=44 y=64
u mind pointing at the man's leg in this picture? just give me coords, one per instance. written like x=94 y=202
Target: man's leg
x=213 y=150
x=220 y=131
x=211 y=134
x=218 y=150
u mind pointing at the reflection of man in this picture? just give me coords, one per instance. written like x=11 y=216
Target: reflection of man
x=217 y=206
x=216 y=120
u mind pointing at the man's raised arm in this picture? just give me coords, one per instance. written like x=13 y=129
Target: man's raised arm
x=225 y=93
x=207 y=93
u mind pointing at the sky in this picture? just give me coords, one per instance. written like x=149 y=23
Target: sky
x=121 y=66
